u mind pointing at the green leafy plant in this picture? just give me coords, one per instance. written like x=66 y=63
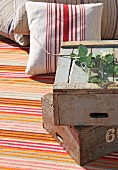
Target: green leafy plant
x=101 y=65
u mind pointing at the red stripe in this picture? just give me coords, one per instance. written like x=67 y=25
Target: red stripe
x=48 y=36
x=66 y=23
x=59 y=27
x=47 y=145
x=55 y=35
x=76 y=23
x=31 y=148
x=71 y=23
x=31 y=145
x=80 y=22
x=50 y=64
x=83 y=22
x=58 y=24
x=47 y=39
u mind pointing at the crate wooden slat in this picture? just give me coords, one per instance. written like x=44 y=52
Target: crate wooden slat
x=83 y=143
x=99 y=44
x=77 y=102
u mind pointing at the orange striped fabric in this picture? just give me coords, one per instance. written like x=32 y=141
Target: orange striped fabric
x=24 y=144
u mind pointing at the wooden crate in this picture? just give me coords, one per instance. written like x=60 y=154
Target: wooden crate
x=83 y=143
x=77 y=102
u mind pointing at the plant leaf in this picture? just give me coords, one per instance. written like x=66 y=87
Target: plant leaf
x=82 y=59
x=90 y=55
x=88 y=60
x=95 y=79
x=116 y=69
x=110 y=69
x=82 y=50
x=109 y=58
x=93 y=64
x=98 y=56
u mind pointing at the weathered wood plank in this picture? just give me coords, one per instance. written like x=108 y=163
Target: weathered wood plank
x=62 y=70
x=87 y=109
x=85 y=86
x=83 y=143
x=105 y=43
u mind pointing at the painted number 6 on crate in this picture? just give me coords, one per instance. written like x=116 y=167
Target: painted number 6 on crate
x=111 y=134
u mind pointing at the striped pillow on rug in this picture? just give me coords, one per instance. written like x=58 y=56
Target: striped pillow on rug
x=50 y=24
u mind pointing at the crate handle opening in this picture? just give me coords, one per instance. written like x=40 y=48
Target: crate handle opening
x=59 y=138
x=99 y=115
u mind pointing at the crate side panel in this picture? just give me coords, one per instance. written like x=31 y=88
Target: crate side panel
x=63 y=67
x=99 y=142
x=76 y=109
x=62 y=134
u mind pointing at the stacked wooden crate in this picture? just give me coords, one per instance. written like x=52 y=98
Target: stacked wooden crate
x=82 y=116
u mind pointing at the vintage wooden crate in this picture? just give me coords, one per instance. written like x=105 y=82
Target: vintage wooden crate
x=77 y=102
x=83 y=143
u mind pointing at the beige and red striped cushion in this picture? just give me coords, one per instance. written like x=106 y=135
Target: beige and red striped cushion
x=109 y=17
x=50 y=24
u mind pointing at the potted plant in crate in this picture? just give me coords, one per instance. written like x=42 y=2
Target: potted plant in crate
x=98 y=67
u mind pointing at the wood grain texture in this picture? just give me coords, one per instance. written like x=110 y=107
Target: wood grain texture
x=103 y=43
x=83 y=143
x=75 y=109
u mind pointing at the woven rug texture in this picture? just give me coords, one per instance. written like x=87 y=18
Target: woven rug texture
x=24 y=144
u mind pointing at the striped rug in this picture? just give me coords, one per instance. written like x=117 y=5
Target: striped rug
x=24 y=144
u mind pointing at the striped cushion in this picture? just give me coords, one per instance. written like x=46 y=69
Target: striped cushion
x=109 y=18
x=6 y=20
x=51 y=23
x=20 y=16
x=6 y=17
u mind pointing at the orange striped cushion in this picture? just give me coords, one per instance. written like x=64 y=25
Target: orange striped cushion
x=50 y=24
